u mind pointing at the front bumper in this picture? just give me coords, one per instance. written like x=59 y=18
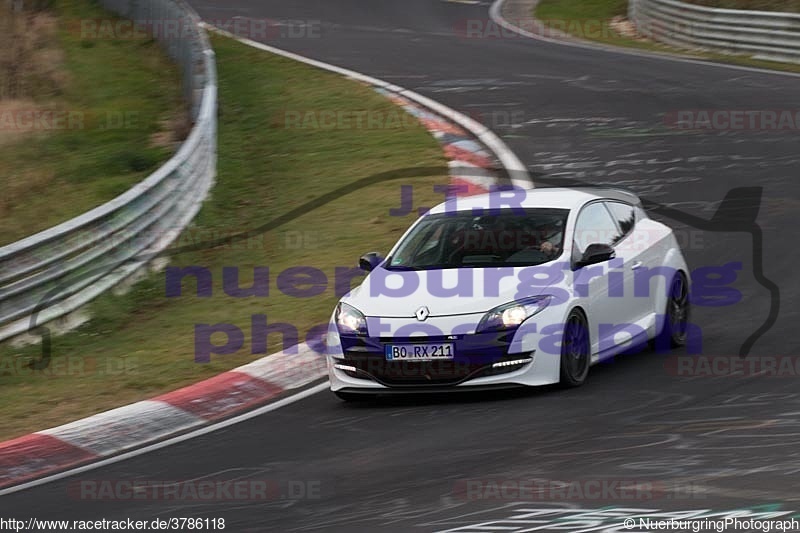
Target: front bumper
x=431 y=389
x=476 y=356
x=520 y=357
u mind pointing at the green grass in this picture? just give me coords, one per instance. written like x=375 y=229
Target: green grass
x=141 y=344
x=580 y=10
x=589 y=20
x=123 y=91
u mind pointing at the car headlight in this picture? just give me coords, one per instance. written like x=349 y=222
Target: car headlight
x=350 y=320
x=512 y=314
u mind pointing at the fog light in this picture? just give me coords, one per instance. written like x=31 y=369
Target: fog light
x=513 y=362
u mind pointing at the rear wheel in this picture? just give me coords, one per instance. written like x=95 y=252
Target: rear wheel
x=676 y=315
x=575 y=350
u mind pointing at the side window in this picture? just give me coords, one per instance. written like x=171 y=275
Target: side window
x=625 y=216
x=594 y=225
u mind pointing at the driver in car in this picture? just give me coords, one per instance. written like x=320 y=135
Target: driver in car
x=551 y=235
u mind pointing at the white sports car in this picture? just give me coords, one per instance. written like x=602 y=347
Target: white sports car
x=518 y=287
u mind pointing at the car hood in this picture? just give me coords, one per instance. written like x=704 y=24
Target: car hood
x=399 y=294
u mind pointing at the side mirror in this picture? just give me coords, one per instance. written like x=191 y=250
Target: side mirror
x=596 y=253
x=369 y=261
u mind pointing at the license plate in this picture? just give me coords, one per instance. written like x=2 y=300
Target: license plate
x=419 y=352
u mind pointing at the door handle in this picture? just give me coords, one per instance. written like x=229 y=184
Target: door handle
x=636 y=264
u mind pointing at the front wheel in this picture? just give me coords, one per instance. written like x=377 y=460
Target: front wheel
x=575 y=350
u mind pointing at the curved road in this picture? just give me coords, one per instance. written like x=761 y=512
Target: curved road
x=698 y=441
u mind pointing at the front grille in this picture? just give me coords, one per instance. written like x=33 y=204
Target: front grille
x=420 y=373
x=475 y=355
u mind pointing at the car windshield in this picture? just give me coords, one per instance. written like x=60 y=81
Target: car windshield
x=507 y=237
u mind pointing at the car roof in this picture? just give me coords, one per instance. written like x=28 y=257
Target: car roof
x=545 y=197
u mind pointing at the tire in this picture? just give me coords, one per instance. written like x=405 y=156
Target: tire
x=575 y=350
x=676 y=315
x=354 y=396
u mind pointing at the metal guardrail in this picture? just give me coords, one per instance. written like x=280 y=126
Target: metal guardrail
x=763 y=34
x=56 y=271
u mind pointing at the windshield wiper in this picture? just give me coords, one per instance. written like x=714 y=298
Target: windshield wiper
x=401 y=268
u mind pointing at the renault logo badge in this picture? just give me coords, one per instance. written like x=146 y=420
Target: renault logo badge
x=422 y=313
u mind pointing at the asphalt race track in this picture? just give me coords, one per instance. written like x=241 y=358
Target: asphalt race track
x=700 y=440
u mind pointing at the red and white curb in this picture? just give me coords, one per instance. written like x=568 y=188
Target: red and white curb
x=476 y=158
x=132 y=426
